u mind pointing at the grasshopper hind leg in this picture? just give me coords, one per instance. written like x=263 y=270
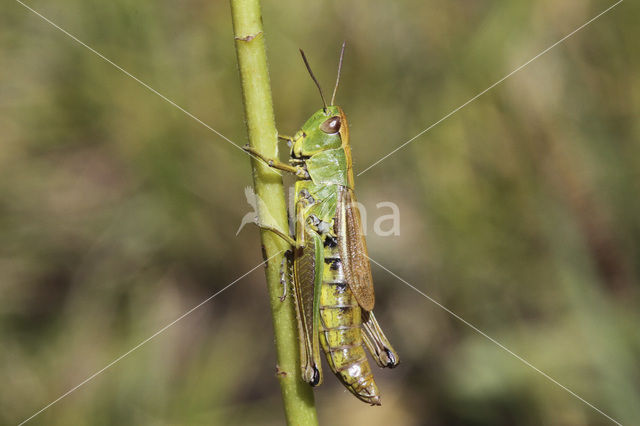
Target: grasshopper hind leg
x=308 y=265
x=285 y=274
x=377 y=343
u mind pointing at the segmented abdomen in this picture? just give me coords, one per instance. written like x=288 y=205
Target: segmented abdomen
x=340 y=332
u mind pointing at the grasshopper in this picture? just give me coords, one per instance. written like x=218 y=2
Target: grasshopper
x=332 y=282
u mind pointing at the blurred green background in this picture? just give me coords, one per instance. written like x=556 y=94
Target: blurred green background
x=520 y=212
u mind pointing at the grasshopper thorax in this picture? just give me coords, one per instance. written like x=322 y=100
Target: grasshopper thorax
x=326 y=129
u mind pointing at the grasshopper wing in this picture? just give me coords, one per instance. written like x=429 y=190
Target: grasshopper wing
x=307 y=273
x=353 y=249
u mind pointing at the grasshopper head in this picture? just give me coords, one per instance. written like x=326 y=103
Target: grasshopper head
x=325 y=129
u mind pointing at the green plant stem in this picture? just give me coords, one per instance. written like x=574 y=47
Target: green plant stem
x=272 y=210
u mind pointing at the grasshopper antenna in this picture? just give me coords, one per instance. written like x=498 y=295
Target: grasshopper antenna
x=313 y=77
x=335 y=89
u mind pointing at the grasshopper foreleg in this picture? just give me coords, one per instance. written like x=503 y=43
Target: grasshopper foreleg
x=277 y=164
x=289 y=139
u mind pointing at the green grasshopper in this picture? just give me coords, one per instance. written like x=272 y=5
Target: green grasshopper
x=332 y=283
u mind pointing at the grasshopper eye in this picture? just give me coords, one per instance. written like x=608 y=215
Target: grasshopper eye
x=331 y=126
